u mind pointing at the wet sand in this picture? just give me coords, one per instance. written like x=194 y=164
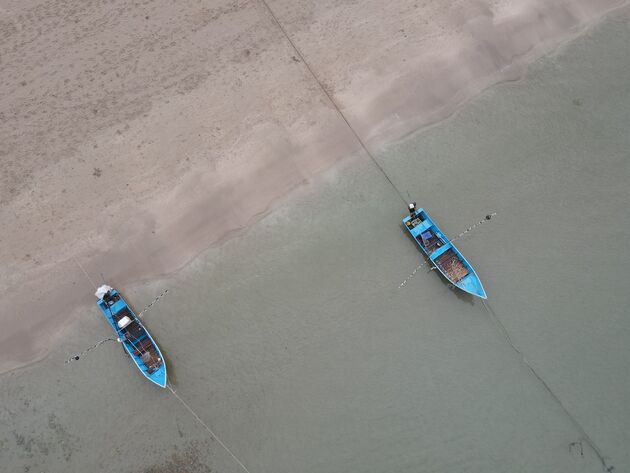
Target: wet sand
x=293 y=341
x=131 y=134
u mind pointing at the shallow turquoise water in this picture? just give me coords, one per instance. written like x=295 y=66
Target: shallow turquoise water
x=294 y=343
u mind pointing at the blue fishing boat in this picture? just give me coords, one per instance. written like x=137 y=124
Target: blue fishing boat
x=134 y=337
x=442 y=253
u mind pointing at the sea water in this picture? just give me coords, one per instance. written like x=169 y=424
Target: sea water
x=295 y=344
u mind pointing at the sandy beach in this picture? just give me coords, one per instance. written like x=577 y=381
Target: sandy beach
x=192 y=148
x=135 y=136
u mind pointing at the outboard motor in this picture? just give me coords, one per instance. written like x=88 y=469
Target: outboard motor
x=106 y=294
x=107 y=297
x=412 y=209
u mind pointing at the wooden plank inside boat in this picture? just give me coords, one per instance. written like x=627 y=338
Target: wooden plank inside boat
x=452 y=266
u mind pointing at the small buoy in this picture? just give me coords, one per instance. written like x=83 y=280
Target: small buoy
x=76 y=357
x=488 y=217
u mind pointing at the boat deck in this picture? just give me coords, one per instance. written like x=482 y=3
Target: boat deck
x=430 y=244
x=139 y=342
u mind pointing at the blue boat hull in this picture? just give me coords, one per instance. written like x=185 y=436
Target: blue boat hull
x=134 y=337
x=442 y=254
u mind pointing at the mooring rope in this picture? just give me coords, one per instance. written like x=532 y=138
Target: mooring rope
x=205 y=426
x=84 y=272
x=330 y=98
x=93 y=347
x=576 y=424
x=147 y=308
x=472 y=227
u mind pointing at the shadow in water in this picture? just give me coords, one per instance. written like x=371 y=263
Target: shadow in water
x=461 y=295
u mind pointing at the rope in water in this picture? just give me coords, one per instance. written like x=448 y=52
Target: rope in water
x=497 y=321
x=208 y=429
x=147 y=308
x=577 y=425
x=93 y=347
x=330 y=99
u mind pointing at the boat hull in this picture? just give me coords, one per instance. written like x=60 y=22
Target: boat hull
x=135 y=338
x=442 y=254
